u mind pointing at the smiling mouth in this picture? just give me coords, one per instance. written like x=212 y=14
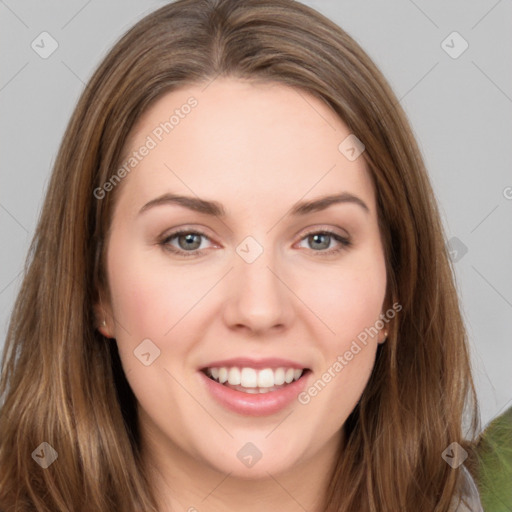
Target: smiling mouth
x=253 y=381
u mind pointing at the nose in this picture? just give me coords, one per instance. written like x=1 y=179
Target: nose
x=259 y=299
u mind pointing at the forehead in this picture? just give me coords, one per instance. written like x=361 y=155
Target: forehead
x=237 y=140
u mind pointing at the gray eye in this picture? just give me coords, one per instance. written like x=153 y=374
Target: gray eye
x=317 y=240
x=190 y=241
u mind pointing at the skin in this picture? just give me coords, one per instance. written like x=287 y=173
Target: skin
x=257 y=149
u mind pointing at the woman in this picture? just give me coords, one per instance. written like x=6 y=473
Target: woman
x=307 y=354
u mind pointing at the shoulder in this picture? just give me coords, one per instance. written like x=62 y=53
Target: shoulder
x=468 y=492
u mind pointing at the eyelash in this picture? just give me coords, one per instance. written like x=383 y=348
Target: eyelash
x=343 y=241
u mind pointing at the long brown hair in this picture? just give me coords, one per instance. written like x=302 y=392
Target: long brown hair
x=62 y=382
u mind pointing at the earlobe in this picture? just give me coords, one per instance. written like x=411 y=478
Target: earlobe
x=101 y=321
x=383 y=336
x=103 y=329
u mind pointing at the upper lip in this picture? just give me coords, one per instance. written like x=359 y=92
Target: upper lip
x=246 y=362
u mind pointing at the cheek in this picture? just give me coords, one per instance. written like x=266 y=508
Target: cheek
x=147 y=299
x=147 y=302
x=349 y=297
x=150 y=299
x=351 y=310
x=352 y=307
x=153 y=300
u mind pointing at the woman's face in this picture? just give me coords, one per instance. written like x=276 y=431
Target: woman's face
x=252 y=290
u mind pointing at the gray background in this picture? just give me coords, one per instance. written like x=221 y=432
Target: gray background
x=460 y=109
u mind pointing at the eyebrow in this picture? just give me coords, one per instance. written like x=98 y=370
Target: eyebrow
x=215 y=208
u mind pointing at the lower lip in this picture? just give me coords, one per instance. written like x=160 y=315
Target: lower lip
x=261 y=404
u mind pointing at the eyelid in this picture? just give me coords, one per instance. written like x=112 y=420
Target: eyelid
x=324 y=228
x=185 y=230
x=343 y=239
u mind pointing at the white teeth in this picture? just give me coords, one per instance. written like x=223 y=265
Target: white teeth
x=248 y=378
x=288 y=377
x=266 y=378
x=223 y=375
x=253 y=380
x=279 y=377
x=234 y=377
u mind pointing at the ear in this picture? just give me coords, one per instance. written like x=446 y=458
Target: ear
x=383 y=335
x=103 y=317
x=389 y=304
